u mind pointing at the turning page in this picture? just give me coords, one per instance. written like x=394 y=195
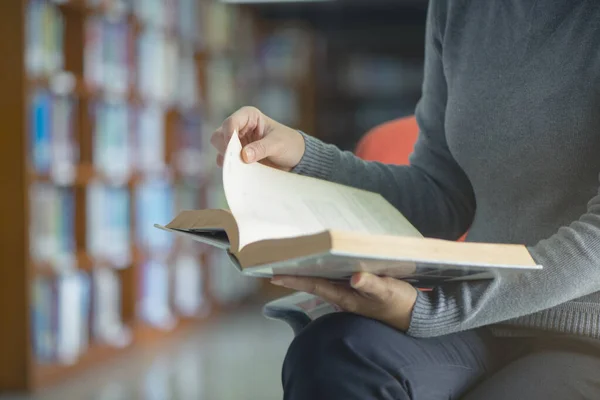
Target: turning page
x=268 y=203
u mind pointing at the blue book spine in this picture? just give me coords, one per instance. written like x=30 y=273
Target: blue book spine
x=40 y=128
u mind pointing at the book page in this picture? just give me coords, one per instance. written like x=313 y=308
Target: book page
x=268 y=203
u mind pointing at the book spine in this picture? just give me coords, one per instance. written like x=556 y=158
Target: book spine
x=188 y=296
x=154 y=201
x=150 y=140
x=107 y=326
x=155 y=304
x=40 y=131
x=42 y=320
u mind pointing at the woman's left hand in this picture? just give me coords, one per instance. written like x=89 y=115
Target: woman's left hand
x=385 y=299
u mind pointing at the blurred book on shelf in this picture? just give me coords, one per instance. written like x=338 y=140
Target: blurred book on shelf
x=219 y=22
x=54 y=149
x=112 y=147
x=73 y=303
x=42 y=319
x=108 y=220
x=150 y=140
x=157 y=65
x=108 y=54
x=60 y=314
x=107 y=326
x=111 y=7
x=52 y=237
x=189 y=20
x=153 y=198
x=154 y=304
x=157 y=13
x=40 y=127
x=186 y=93
x=44 y=54
x=188 y=286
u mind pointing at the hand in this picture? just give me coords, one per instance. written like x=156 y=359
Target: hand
x=385 y=299
x=263 y=139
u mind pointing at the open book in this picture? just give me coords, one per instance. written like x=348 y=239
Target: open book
x=283 y=223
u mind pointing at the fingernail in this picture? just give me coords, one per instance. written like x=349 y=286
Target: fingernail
x=357 y=281
x=249 y=154
x=277 y=282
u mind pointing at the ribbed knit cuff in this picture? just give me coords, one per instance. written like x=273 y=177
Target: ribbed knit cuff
x=427 y=320
x=318 y=159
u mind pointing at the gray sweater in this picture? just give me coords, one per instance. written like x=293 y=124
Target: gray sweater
x=509 y=149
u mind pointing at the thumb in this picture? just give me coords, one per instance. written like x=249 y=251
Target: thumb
x=371 y=285
x=260 y=149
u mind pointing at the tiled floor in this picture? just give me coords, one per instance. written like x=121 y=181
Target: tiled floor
x=238 y=358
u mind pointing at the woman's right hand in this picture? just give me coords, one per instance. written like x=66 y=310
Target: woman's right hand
x=263 y=139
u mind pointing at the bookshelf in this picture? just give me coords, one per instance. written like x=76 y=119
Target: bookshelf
x=106 y=111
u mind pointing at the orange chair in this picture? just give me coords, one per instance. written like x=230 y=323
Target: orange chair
x=390 y=143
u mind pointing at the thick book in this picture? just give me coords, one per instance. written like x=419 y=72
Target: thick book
x=280 y=223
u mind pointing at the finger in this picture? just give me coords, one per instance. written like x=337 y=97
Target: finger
x=337 y=294
x=268 y=146
x=372 y=286
x=244 y=120
x=220 y=159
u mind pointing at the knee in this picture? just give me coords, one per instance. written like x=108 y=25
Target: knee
x=332 y=342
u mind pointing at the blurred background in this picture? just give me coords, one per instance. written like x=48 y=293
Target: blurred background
x=107 y=107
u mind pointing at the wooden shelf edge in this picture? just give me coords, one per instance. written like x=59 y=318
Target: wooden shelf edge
x=84 y=262
x=86 y=174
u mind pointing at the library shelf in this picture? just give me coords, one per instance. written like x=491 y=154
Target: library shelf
x=83 y=261
x=70 y=205
x=85 y=174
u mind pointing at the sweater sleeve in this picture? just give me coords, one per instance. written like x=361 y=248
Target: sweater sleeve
x=571 y=261
x=433 y=192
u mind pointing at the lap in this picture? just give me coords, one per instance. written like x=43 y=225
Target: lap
x=364 y=352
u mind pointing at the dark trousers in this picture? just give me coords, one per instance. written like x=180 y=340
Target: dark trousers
x=345 y=356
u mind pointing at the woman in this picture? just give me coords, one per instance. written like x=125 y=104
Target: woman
x=509 y=148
